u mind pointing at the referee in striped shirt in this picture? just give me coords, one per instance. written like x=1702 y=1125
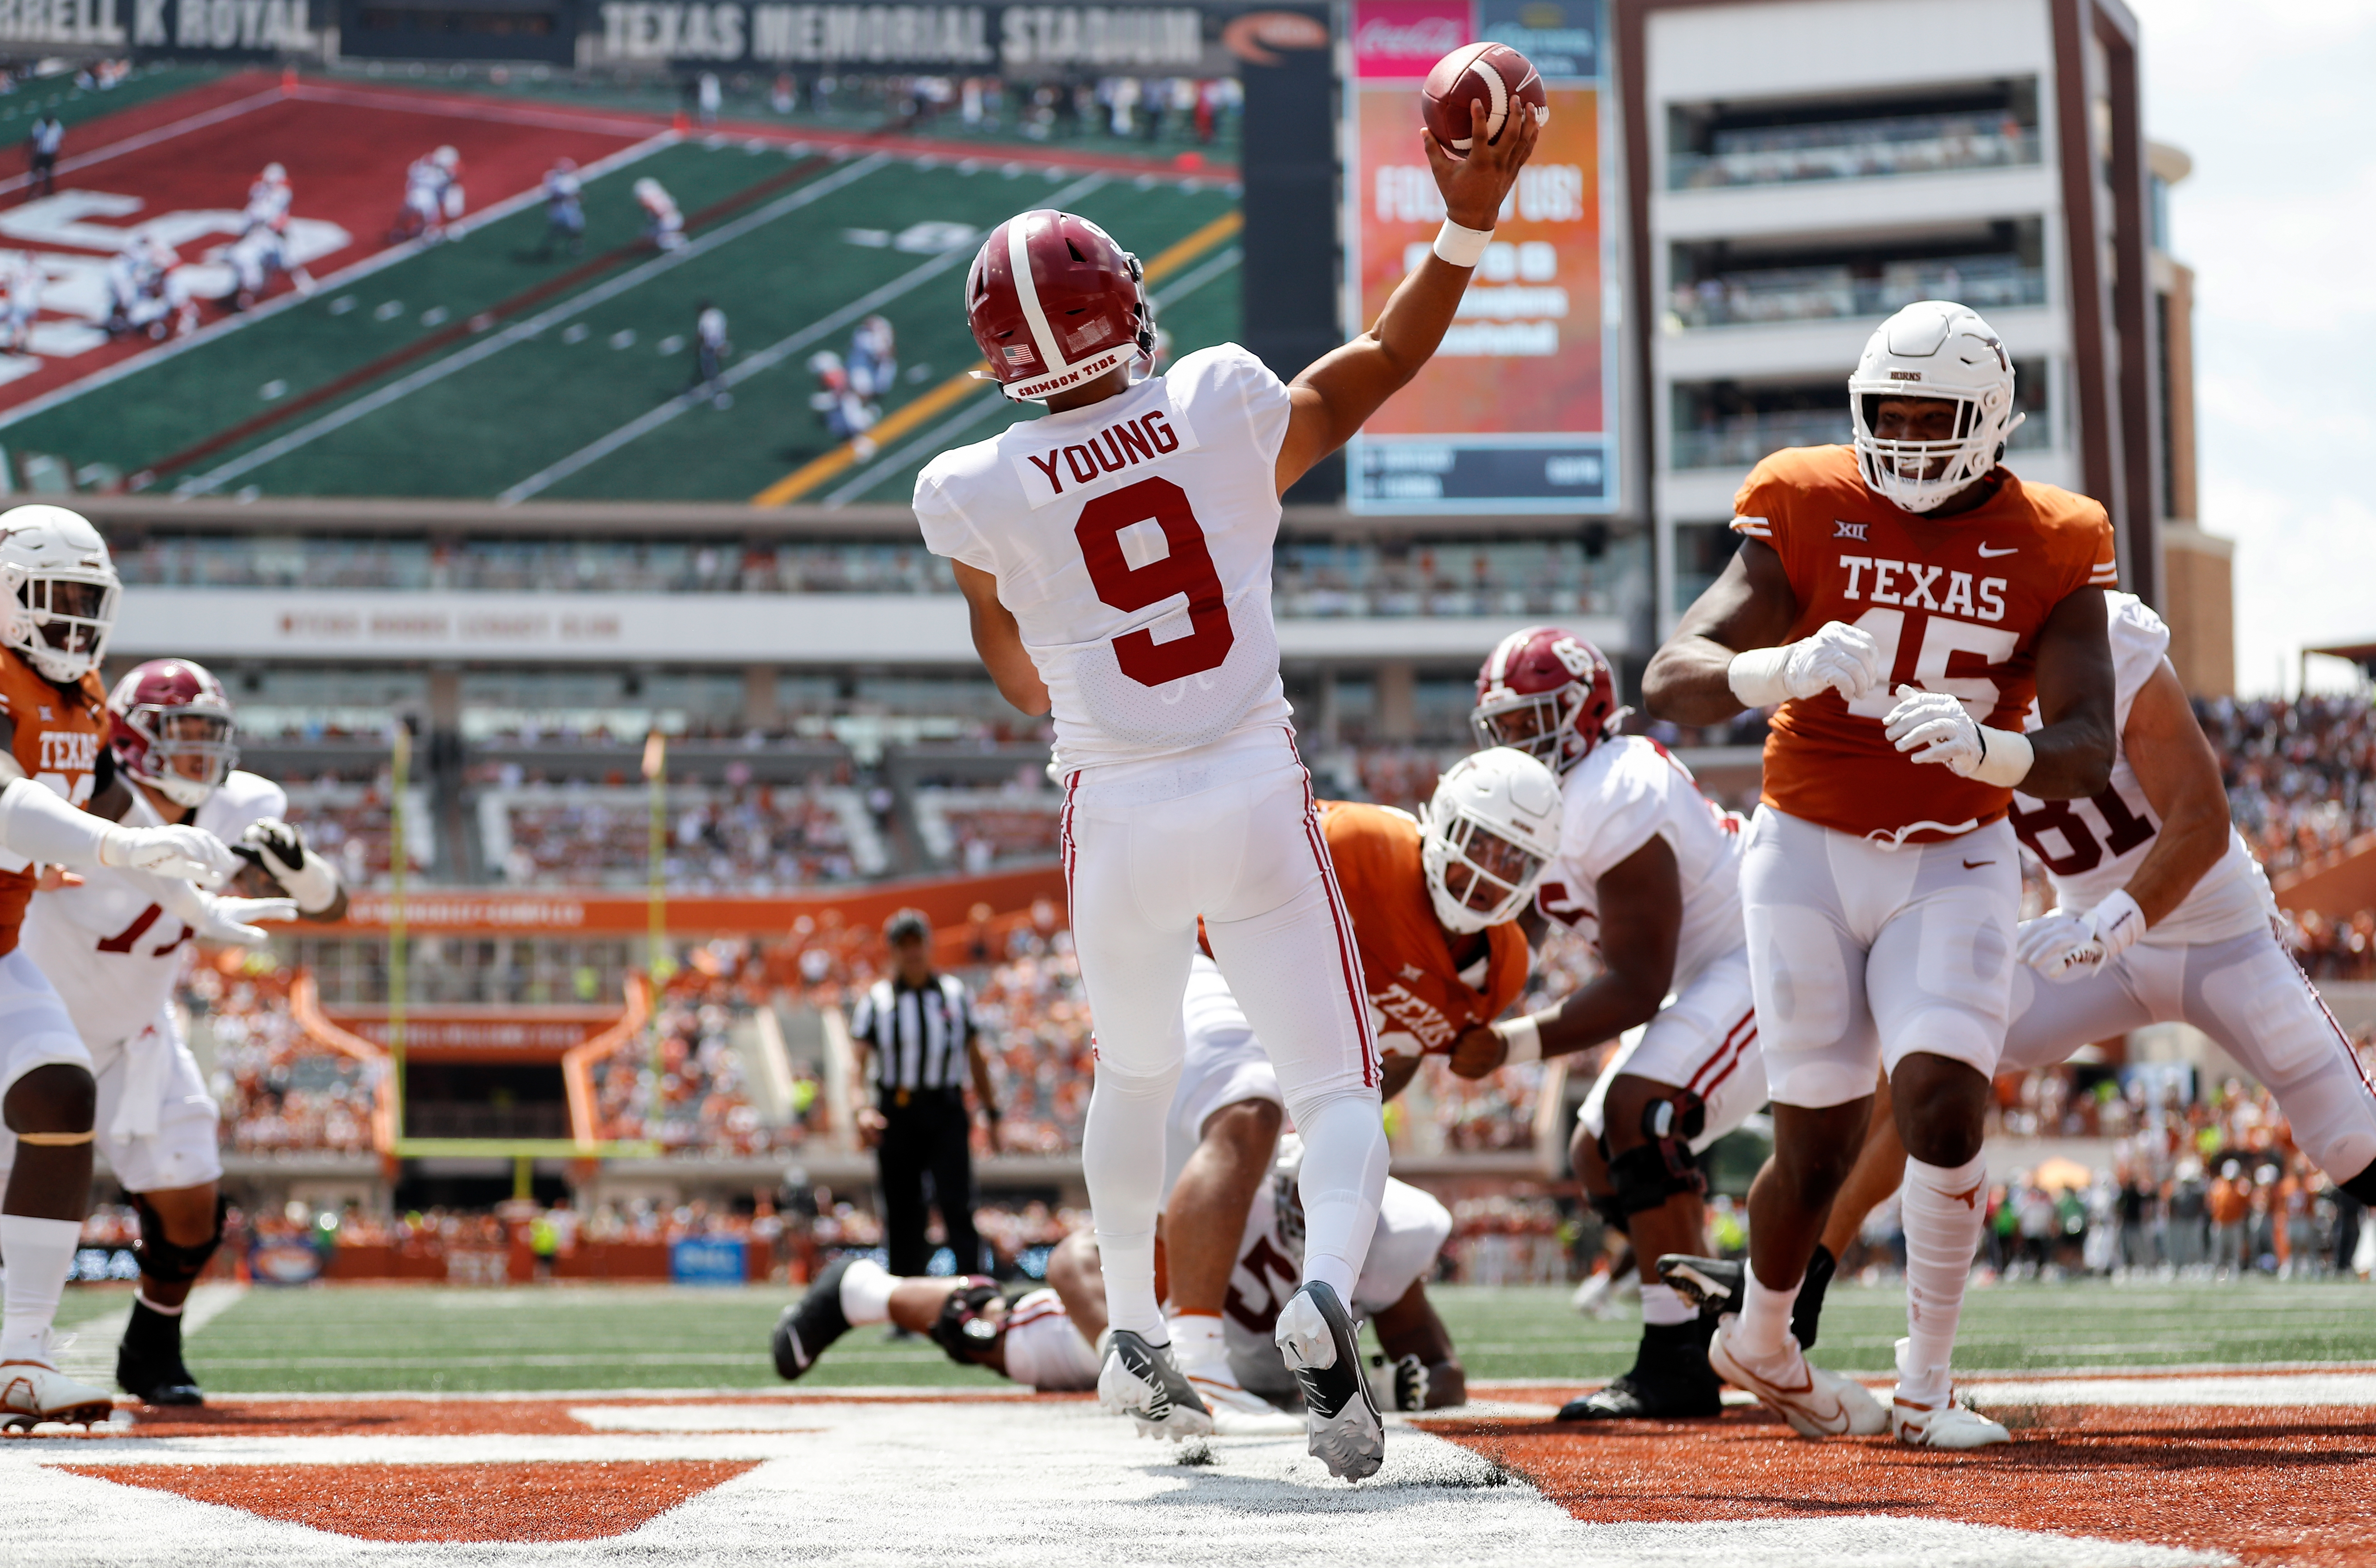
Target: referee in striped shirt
x=918 y=1030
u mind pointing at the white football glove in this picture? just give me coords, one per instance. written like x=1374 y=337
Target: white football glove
x=1939 y=725
x=2063 y=944
x=1836 y=657
x=186 y=854
x=226 y=920
x=281 y=850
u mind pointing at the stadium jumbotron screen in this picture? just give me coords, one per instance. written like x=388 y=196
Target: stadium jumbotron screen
x=545 y=252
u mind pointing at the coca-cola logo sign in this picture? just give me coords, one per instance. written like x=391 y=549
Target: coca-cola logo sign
x=1404 y=37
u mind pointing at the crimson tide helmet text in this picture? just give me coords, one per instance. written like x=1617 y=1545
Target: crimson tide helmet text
x=172 y=729
x=1547 y=692
x=1054 y=304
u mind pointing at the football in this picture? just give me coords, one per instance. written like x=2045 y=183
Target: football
x=1492 y=73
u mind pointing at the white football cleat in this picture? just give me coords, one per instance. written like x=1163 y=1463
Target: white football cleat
x=1944 y=1426
x=1236 y=1412
x=1140 y=1381
x=35 y=1391
x=1816 y=1403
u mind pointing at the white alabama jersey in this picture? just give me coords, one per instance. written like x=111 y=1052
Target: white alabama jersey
x=111 y=946
x=1131 y=541
x=2092 y=847
x=1627 y=790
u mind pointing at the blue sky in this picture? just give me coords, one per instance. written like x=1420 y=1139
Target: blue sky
x=2276 y=105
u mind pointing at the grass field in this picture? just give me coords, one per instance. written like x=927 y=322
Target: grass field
x=357 y=1339
x=492 y=366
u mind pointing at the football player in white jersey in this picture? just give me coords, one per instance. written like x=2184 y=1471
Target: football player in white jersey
x=1115 y=555
x=114 y=943
x=1649 y=872
x=2162 y=916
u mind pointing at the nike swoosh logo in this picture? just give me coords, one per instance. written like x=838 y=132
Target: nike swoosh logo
x=1987 y=554
x=1975 y=865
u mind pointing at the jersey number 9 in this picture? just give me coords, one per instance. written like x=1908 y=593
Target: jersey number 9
x=1185 y=568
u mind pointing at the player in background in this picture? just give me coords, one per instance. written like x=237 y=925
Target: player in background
x=262 y=248
x=1647 y=871
x=2162 y=916
x=432 y=197
x=564 y=209
x=1900 y=600
x=1115 y=556
x=1433 y=901
x=115 y=943
x=1049 y=1338
x=663 y=223
x=24 y=282
x=710 y=347
x=58 y=593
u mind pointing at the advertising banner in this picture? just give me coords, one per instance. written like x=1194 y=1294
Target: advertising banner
x=706 y=1260
x=1517 y=411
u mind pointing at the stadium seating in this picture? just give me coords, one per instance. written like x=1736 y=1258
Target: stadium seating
x=755 y=838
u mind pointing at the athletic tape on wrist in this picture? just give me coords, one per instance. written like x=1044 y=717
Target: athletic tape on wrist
x=2005 y=757
x=1461 y=247
x=1524 y=1036
x=1755 y=677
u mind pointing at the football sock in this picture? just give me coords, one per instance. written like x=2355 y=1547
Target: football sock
x=1661 y=1304
x=1342 y=1183
x=1122 y=1163
x=1944 y=1209
x=40 y=1255
x=1808 y=1315
x=1196 y=1340
x=866 y=1288
x=1764 y=1326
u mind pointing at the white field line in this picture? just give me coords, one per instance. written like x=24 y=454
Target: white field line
x=91 y=1357
x=197 y=121
x=494 y=111
x=485 y=347
x=945 y=433
x=765 y=360
x=344 y=277
x=2242 y=1390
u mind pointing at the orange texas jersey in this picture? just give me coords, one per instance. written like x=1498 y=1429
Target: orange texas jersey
x=58 y=736
x=1955 y=604
x=1406 y=958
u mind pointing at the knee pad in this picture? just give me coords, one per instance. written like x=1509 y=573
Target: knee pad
x=2362 y=1186
x=168 y=1261
x=1612 y=1214
x=1663 y=1164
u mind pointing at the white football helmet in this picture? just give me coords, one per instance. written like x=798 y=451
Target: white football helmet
x=58 y=590
x=1486 y=836
x=1939 y=350
x=445 y=158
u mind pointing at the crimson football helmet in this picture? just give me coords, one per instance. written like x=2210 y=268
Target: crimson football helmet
x=1547 y=692
x=1055 y=303
x=172 y=729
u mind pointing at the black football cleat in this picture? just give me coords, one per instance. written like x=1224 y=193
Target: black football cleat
x=802 y=1332
x=1342 y=1427
x=148 y=1363
x=1715 y=1286
x=1669 y=1380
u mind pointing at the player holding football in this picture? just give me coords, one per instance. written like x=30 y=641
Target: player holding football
x=1115 y=556
x=2162 y=916
x=1901 y=600
x=1649 y=870
x=58 y=592
x=1433 y=901
x=113 y=945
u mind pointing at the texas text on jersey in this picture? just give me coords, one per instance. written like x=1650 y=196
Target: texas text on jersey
x=58 y=730
x=1956 y=607
x=1423 y=998
x=2092 y=847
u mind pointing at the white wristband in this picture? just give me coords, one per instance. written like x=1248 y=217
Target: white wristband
x=1524 y=1036
x=1755 y=677
x=2005 y=758
x=1461 y=247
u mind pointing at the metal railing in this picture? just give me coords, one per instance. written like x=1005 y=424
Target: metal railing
x=1922 y=144
x=1823 y=293
x=1739 y=443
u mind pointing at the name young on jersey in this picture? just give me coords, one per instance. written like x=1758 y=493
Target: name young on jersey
x=1920 y=579
x=1121 y=445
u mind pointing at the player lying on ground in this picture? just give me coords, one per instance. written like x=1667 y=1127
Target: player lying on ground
x=1115 y=557
x=58 y=593
x=2162 y=916
x=1049 y=1338
x=1901 y=600
x=113 y=943
x=1648 y=872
